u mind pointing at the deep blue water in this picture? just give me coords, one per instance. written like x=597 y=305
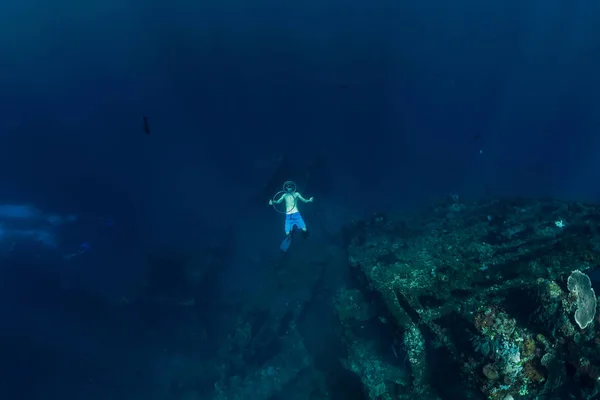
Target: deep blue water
x=389 y=105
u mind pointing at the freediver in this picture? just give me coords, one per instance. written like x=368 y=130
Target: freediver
x=293 y=218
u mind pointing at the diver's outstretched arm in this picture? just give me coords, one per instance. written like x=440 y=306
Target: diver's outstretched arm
x=305 y=200
x=279 y=200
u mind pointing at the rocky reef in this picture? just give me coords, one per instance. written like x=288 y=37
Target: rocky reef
x=474 y=300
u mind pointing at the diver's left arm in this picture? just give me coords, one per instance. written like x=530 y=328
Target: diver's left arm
x=305 y=200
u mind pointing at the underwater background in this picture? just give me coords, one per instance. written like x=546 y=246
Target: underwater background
x=141 y=142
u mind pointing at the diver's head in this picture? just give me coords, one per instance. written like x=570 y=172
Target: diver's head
x=289 y=186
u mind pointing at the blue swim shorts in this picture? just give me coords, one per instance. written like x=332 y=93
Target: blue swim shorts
x=294 y=219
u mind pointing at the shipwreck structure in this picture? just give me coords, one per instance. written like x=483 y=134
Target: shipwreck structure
x=490 y=299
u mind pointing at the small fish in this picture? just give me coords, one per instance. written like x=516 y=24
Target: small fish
x=146 y=125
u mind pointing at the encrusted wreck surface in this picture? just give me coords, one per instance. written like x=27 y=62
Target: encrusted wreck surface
x=472 y=300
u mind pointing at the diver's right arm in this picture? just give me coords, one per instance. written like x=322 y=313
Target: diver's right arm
x=271 y=202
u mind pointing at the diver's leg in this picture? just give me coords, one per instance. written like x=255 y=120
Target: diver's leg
x=300 y=222
x=302 y=225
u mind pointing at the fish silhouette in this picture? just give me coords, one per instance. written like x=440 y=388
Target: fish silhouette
x=146 y=125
